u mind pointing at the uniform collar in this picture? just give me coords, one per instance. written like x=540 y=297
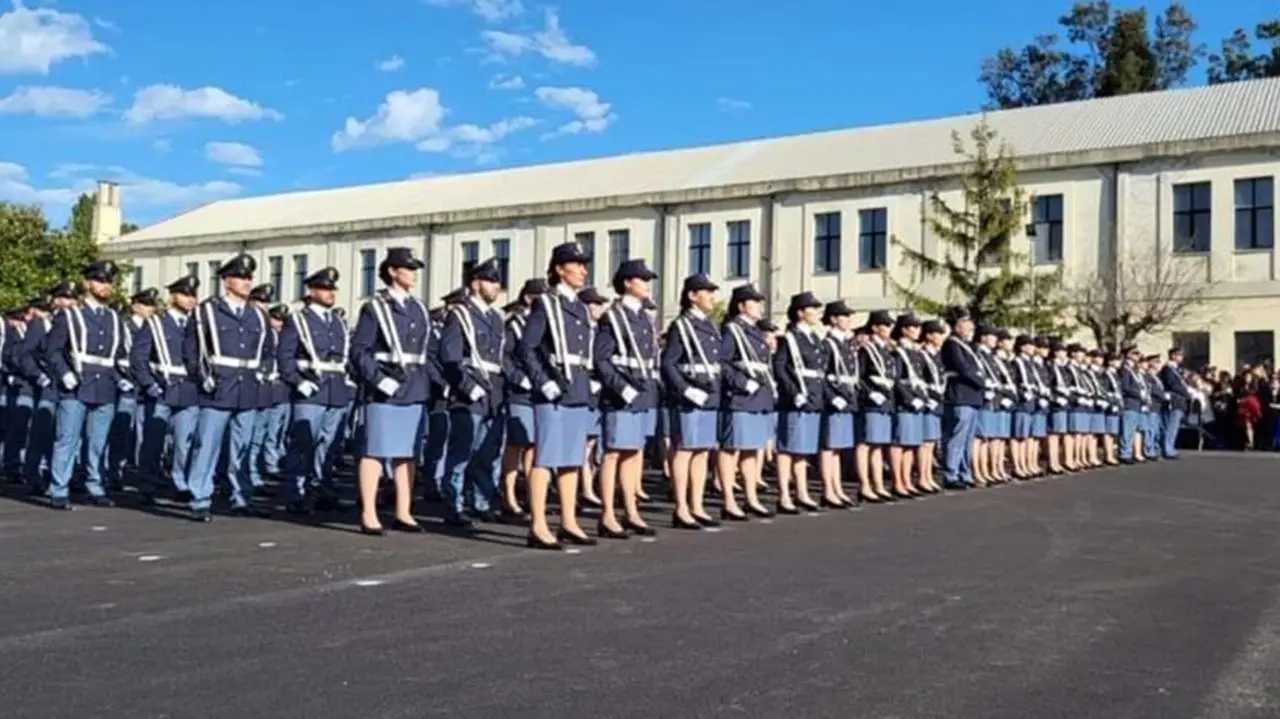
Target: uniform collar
x=479 y=303
x=839 y=334
x=397 y=294
x=177 y=314
x=566 y=292
x=321 y=311
x=92 y=304
x=632 y=303
x=234 y=303
x=697 y=314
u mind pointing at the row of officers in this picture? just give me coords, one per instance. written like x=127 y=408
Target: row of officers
x=235 y=388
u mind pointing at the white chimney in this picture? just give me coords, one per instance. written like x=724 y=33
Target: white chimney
x=107 y=216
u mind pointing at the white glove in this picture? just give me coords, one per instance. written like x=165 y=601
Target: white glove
x=1006 y=402
x=525 y=384
x=1044 y=404
x=917 y=404
x=44 y=381
x=1086 y=403
x=1062 y=402
x=69 y=381
x=551 y=390
x=933 y=404
x=307 y=388
x=878 y=398
x=476 y=393
x=125 y=385
x=839 y=404
x=752 y=386
x=988 y=384
x=696 y=396
x=595 y=387
x=629 y=394
x=388 y=386
x=800 y=401
x=988 y=395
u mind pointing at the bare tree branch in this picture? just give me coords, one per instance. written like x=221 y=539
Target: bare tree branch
x=1138 y=297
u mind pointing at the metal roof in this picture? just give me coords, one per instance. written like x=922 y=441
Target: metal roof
x=1177 y=116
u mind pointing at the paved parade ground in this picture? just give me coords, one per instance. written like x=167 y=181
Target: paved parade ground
x=1151 y=591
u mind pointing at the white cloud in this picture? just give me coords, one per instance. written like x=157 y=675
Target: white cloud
x=232 y=153
x=730 y=105
x=551 y=43
x=137 y=192
x=491 y=10
x=506 y=82
x=475 y=142
x=33 y=41
x=245 y=171
x=391 y=64
x=405 y=116
x=47 y=101
x=590 y=113
x=106 y=24
x=168 y=102
x=162 y=145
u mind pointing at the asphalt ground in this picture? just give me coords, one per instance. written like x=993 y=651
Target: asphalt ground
x=1149 y=591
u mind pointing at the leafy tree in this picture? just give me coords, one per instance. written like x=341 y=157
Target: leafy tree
x=976 y=260
x=74 y=247
x=23 y=232
x=1236 y=61
x=1109 y=52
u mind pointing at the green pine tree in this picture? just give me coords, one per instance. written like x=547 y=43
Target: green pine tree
x=976 y=260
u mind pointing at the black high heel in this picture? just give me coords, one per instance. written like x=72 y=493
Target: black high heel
x=678 y=523
x=533 y=542
x=809 y=507
x=603 y=532
x=407 y=527
x=636 y=528
x=727 y=516
x=706 y=521
x=760 y=512
x=372 y=531
x=783 y=509
x=564 y=535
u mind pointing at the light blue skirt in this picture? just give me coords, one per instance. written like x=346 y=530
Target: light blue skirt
x=697 y=429
x=560 y=435
x=932 y=427
x=626 y=431
x=1060 y=422
x=650 y=422
x=988 y=424
x=1039 y=425
x=1004 y=425
x=1097 y=423
x=1023 y=423
x=799 y=433
x=746 y=431
x=1079 y=422
x=394 y=431
x=877 y=428
x=1113 y=424
x=839 y=431
x=520 y=425
x=597 y=422
x=908 y=429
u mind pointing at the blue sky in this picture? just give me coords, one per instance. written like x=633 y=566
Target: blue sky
x=184 y=102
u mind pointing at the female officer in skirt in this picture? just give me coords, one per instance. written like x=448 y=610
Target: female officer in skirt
x=909 y=396
x=691 y=372
x=626 y=359
x=553 y=354
x=988 y=422
x=518 y=455
x=1060 y=409
x=595 y=303
x=389 y=351
x=1024 y=406
x=839 y=435
x=933 y=332
x=1007 y=394
x=878 y=368
x=750 y=394
x=800 y=367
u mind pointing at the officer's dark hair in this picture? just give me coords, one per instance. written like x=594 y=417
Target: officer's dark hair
x=685 y=301
x=619 y=285
x=793 y=313
x=384 y=273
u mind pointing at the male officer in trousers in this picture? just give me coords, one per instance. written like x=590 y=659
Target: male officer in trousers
x=82 y=349
x=312 y=357
x=471 y=344
x=225 y=347
x=34 y=367
x=964 y=397
x=433 y=465
x=169 y=395
x=17 y=413
x=126 y=433
x=269 y=391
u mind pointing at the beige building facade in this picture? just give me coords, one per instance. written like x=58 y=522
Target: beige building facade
x=1176 y=185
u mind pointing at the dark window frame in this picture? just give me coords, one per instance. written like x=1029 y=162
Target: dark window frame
x=1260 y=206
x=1189 y=212
x=700 y=248
x=738 y=250
x=828 y=229
x=875 y=238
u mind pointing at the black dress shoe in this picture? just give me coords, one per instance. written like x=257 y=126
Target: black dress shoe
x=832 y=504
x=809 y=507
x=62 y=504
x=103 y=501
x=678 y=523
x=564 y=535
x=534 y=543
x=760 y=512
x=372 y=531
x=146 y=500
x=727 y=516
x=202 y=515
x=604 y=532
x=407 y=527
x=706 y=521
x=507 y=516
x=642 y=530
x=788 y=510
x=301 y=509
x=182 y=495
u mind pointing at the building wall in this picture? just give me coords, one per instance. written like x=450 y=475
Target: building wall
x=1111 y=216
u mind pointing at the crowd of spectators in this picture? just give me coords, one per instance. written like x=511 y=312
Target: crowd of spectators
x=1242 y=411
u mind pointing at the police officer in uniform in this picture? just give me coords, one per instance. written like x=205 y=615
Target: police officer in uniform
x=690 y=363
x=269 y=432
x=553 y=354
x=83 y=348
x=966 y=383
x=626 y=360
x=312 y=360
x=35 y=370
x=471 y=349
x=389 y=350
x=170 y=398
x=1175 y=385
x=438 y=405
x=839 y=418
x=518 y=456
x=933 y=334
x=749 y=400
x=800 y=366
x=226 y=344
x=126 y=426
x=910 y=394
x=878 y=367
x=18 y=395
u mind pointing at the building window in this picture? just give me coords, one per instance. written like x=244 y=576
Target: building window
x=193 y=270
x=619 y=247
x=502 y=252
x=1046 y=229
x=470 y=256
x=1195 y=349
x=700 y=248
x=137 y=280
x=368 y=272
x=587 y=243
x=826 y=242
x=1255 y=348
x=300 y=276
x=873 y=239
x=1192 y=217
x=738 y=261
x=214 y=284
x=275 y=272
x=1255 y=214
